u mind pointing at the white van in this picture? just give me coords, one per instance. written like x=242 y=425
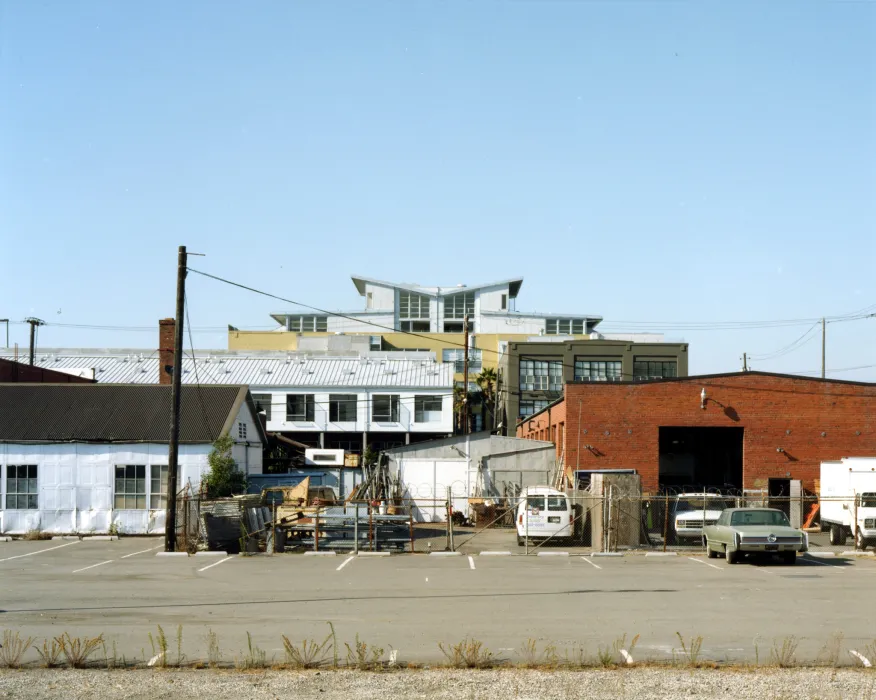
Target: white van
x=544 y=512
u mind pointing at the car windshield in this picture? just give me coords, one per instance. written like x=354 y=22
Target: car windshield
x=759 y=517
x=868 y=500
x=700 y=503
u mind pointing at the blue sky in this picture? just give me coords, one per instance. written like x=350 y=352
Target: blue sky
x=646 y=161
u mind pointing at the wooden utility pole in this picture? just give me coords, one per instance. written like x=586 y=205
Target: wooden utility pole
x=745 y=362
x=823 y=346
x=6 y=321
x=175 y=389
x=465 y=418
x=34 y=322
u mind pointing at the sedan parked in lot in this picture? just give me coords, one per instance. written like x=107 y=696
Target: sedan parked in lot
x=763 y=531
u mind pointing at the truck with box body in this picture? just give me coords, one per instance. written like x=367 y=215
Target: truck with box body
x=847 y=500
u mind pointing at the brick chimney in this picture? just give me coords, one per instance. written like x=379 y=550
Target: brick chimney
x=166 y=331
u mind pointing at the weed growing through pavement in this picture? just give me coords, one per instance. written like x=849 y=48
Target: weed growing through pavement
x=363 y=657
x=179 y=638
x=14 y=646
x=533 y=658
x=576 y=658
x=159 y=643
x=469 y=653
x=690 y=650
x=620 y=646
x=785 y=656
x=37 y=535
x=310 y=653
x=832 y=649
x=77 y=650
x=214 y=655
x=50 y=652
x=334 y=644
x=255 y=657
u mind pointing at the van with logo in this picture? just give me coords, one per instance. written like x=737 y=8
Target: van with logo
x=544 y=512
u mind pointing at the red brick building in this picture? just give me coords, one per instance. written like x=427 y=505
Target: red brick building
x=753 y=430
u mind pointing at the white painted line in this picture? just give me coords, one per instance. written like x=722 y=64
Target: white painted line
x=216 y=563
x=700 y=561
x=40 y=551
x=856 y=553
x=590 y=562
x=660 y=554
x=142 y=551
x=86 y=568
x=65 y=537
x=320 y=554
x=471 y=563
x=445 y=554
x=494 y=554
x=822 y=555
x=821 y=563
x=102 y=538
x=374 y=554
x=211 y=554
x=607 y=554
x=345 y=562
x=171 y=554
x=553 y=554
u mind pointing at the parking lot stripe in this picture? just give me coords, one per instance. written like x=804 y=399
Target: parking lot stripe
x=30 y=554
x=142 y=551
x=471 y=563
x=85 y=568
x=700 y=561
x=591 y=563
x=820 y=563
x=345 y=562
x=216 y=563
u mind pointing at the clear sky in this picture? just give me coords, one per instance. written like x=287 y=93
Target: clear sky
x=645 y=161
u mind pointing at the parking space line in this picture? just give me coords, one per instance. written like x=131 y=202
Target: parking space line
x=700 y=561
x=345 y=562
x=591 y=563
x=471 y=564
x=85 y=568
x=820 y=563
x=40 y=551
x=142 y=551
x=216 y=563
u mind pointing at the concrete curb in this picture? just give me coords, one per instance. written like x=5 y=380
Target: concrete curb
x=552 y=554
x=606 y=554
x=374 y=554
x=102 y=538
x=661 y=554
x=494 y=554
x=821 y=555
x=171 y=554
x=320 y=554
x=211 y=554
x=856 y=553
x=66 y=537
x=445 y=554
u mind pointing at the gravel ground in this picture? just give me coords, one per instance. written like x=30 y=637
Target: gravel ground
x=510 y=684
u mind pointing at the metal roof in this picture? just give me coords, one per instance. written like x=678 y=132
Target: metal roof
x=277 y=370
x=514 y=285
x=115 y=413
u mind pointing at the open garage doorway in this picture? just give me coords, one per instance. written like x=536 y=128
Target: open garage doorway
x=694 y=459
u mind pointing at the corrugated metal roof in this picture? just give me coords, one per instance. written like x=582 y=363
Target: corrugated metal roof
x=292 y=371
x=113 y=413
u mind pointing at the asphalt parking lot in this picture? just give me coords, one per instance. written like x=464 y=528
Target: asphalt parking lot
x=412 y=602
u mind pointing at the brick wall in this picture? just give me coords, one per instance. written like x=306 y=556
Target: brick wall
x=549 y=425
x=811 y=420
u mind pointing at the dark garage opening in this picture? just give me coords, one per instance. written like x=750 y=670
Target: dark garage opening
x=693 y=459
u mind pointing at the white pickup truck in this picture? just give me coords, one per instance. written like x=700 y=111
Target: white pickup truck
x=693 y=511
x=847 y=500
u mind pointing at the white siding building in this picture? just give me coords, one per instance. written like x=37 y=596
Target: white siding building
x=82 y=458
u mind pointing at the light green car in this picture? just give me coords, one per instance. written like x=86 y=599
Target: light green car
x=762 y=531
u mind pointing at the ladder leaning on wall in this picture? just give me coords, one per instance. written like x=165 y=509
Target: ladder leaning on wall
x=560 y=474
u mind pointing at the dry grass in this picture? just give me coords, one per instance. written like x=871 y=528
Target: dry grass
x=309 y=653
x=33 y=535
x=832 y=650
x=690 y=650
x=784 y=655
x=254 y=658
x=77 y=650
x=532 y=657
x=469 y=653
x=214 y=655
x=363 y=657
x=13 y=648
x=50 y=652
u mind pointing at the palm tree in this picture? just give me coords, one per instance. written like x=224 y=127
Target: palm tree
x=486 y=381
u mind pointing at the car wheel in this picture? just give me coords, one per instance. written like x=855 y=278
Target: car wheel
x=731 y=555
x=519 y=541
x=789 y=558
x=860 y=542
x=837 y=535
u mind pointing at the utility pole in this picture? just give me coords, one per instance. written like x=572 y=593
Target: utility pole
x=34 y=322
x=465 y=419
x=175 y=388
x=823 y=345
x=6 y=321
x=745 y=362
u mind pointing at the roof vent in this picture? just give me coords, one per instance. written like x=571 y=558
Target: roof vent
x=265 y=370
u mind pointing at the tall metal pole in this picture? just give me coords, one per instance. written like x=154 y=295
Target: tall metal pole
x=465 y=417
x=34 y=322
x=823 y=345
x=6 y=321
x=745 y=362
x=175 y=390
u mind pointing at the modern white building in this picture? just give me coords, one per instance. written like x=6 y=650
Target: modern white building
x=80 y=458
x=378 y=399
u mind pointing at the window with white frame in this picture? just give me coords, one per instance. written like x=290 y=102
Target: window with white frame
x=541 y=375
x=654 y=369
x=22 y=487
x=412 y=305
x=342 y=408
x=263 y=404
x=427 y=409
x=158 y=487
x=564 y=326
x=457 y=357
x=307 y=324
x=598 y=370
x=241 y=431
x=527 y=408
x=459 y=306
x=300 y=408
x=130 y=487
x=384 y=408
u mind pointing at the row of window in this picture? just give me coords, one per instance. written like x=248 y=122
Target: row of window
x=547 y=375
x=343 y=408
x=541 y=375
x=457 y=357
x=564 y=326
x=22 y=488
x=304 y=324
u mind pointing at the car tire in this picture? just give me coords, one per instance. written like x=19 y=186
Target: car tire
x=519 y=541
x=837 y=535
x=860 y=542
x=731 y=555
x=789 y=558
x=712 y=554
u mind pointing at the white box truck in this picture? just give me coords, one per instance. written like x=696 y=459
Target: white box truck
x=848 y=500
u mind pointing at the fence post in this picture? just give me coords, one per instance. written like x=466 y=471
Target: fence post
x=356 y=530
x=665 y=521
x=411 y=517
x=316 y=530
x=526 y=524
x=450 y=516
